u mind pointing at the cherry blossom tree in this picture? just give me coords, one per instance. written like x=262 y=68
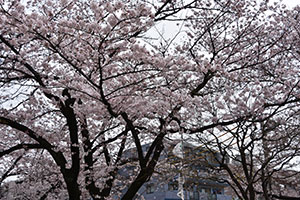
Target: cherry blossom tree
x=82 y=82
x=264 y=145
x=263 y=159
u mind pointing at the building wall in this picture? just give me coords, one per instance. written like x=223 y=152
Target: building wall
x=163 y=192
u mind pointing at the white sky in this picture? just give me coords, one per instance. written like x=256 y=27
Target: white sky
x=291 y=3
x=170 y=30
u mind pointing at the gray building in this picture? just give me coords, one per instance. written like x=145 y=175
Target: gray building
x=207 y=190
x=199 y=183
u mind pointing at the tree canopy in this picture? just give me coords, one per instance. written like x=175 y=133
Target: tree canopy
x=84 y=81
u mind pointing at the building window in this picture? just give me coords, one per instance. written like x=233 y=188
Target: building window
x=194 y=195
x=150 y=188
x=217 y=191
x=172 y=186
x=207 y=190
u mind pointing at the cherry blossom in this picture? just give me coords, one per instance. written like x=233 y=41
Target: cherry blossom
x=85 y=82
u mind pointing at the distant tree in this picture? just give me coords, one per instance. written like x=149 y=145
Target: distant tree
x=263 y=157
x=83 y=81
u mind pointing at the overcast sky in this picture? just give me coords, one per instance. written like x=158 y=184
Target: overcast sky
x=291 y=3
x=169 y=30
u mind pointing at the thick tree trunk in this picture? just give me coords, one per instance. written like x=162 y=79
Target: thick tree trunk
x=137 y=184
x=73 y=191
x=145 y=172
x=72 y=187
